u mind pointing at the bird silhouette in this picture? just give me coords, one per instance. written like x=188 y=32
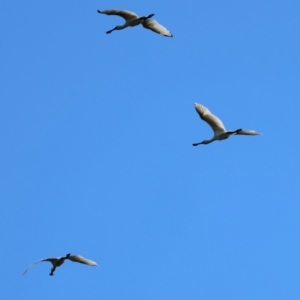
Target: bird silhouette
x=132 y=19
x=58 y=261
x=220 y=133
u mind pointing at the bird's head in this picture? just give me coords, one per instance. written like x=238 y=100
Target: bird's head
x=145 y=18
x=68 y=255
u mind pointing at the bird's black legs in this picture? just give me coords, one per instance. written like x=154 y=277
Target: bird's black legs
x=52 y=270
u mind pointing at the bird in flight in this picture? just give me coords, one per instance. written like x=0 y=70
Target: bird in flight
x=132 y=19
x=220 y=133
x=58 y=261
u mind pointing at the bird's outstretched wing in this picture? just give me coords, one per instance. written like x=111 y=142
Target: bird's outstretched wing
x=52 y=260
x=248 y=132
x=156 y=27
x=82 y=260
x=214 y=122
x=126 y=14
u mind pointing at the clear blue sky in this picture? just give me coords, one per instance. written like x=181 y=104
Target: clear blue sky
x=97 y=156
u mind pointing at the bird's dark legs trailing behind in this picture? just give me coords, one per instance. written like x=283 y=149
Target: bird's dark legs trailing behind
x=238 y=130
x=52 y=270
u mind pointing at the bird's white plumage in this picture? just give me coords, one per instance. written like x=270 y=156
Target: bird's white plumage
x=126 y=14
x=58 y=261
x=156 y=27
x=217 y=126
x=214 y=122
x=54 y=261
x=82 y=260
x=248 y=132
x=133 y=19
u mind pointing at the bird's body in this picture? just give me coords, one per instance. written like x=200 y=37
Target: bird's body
x=220 y=133
x=132 y=19
x=58 y=261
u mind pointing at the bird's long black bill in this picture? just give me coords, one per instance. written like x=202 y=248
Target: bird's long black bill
x=196 y=144
x=109 y=31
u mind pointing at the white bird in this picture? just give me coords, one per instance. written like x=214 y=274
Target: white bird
x=133 y=19
x=220 y=133
x=58 y=261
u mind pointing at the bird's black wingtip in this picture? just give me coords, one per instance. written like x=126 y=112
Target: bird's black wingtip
x=99 y=11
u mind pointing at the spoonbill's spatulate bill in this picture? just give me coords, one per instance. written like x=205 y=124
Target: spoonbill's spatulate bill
x=58 y=261
x=217 y=126
x=132 y=19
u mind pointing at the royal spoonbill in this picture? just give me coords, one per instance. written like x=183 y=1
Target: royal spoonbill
x=133 y=19
x=58 y=261
x=220 y=133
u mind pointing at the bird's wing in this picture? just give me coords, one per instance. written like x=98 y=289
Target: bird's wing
x=52 y=260
x=156 y=27
x=126 y=14
x=248 y=132
x=214 y=122
x=82 y=260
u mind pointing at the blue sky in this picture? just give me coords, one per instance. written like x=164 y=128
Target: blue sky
x=97 y=156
